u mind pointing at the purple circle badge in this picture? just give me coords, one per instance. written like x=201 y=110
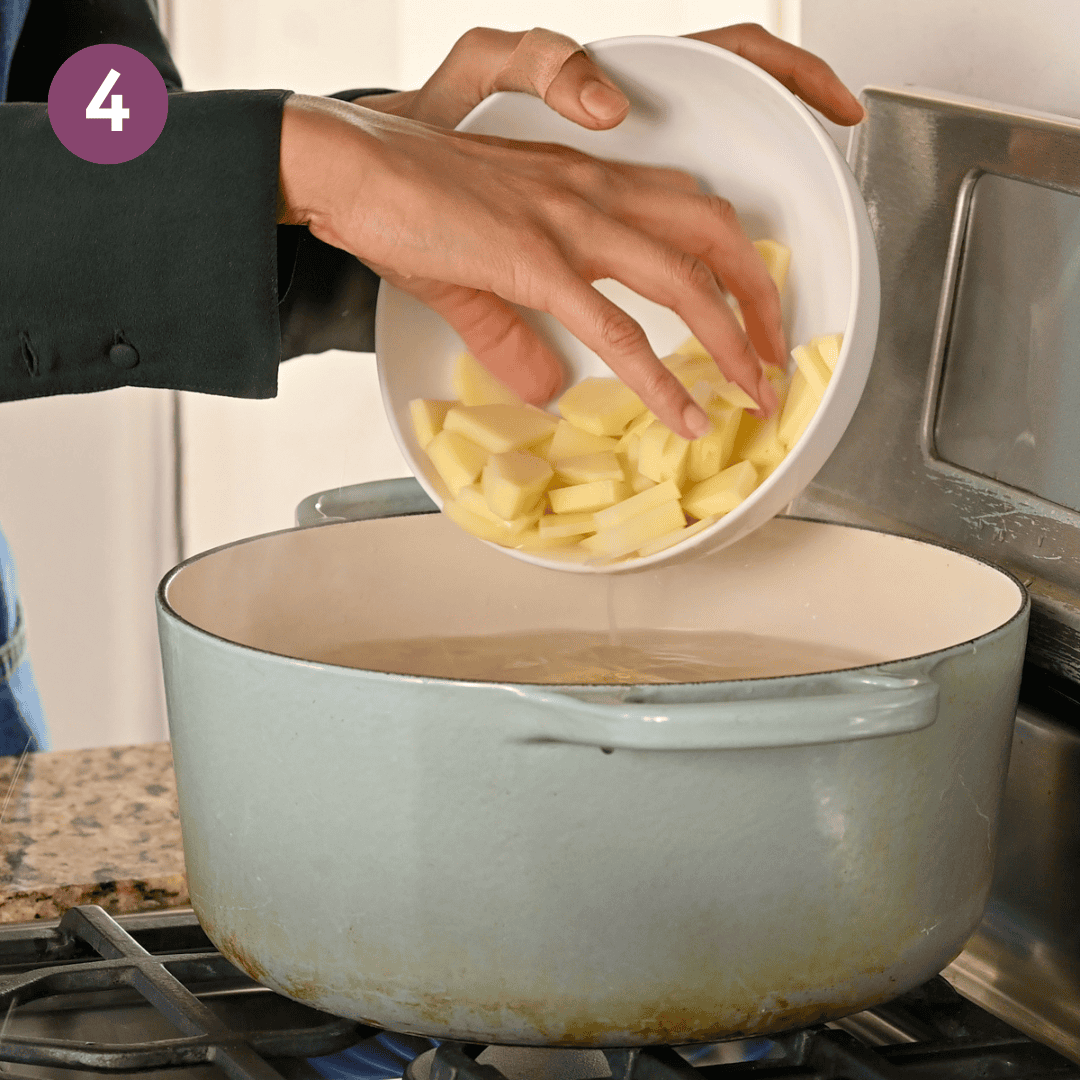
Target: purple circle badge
x=108 y=104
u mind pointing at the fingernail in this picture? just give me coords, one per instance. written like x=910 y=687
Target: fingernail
x=697 y=421
x=600 y=101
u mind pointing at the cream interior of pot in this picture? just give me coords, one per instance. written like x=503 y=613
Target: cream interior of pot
x=308 y=592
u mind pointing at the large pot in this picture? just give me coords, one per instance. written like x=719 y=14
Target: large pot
x=588 y=867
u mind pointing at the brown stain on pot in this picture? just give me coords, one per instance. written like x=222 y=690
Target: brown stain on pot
x=237 y=955
x=550 y=1019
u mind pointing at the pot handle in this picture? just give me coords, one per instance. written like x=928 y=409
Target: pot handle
x=841 y=708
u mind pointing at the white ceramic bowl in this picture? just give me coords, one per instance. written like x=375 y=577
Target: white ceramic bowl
x=744 y=136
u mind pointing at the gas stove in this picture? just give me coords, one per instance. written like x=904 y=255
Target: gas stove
x=149 y=995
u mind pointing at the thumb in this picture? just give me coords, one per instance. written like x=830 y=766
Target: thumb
x=555 y=68
x=583 y=93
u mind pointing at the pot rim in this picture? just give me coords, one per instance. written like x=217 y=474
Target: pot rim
x=166 y=610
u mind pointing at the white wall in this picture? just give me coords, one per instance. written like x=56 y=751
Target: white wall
x=1022 y=55
x=86 y=501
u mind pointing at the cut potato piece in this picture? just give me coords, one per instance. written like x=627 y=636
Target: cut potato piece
x=457 y=460
x=569 y=441
x=636 y=504
x=500 y=428
x=813 y=367
x=828 y=347
x=532 y=540
x=799 y=409
x=472 y=498
x=584 y=498
x=736 y=395
x=590 y=467
x=696 y=369
x=427 y=418
x=765 y=450
x=709 y=454
x=514 y=482
x=777 y=259
x=475 y=385
x=677 y=537
x=721 y=493
x=483 y=527
x=603 y=483
x=563 y=526
x=630 y=535
x=601 y=406
x=663 y=455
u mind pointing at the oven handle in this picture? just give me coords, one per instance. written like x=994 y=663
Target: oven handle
x=754 y=714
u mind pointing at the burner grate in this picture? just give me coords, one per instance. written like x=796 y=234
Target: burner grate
x=163 y=981
x=220 y=1022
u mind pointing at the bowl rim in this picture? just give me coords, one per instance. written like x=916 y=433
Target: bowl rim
x=841 y=184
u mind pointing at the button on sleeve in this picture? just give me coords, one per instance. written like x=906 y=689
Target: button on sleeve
x=123 y=355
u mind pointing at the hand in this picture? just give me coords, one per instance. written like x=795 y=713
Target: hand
x=554 y=68
x=471 y=225
x=483 y=61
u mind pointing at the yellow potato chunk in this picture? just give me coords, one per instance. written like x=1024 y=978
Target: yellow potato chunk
x=777 y=259
x=637 y=426
x=584 y=498
x=569 y=441
x=696 y=369
x=663 y=455
x=601 y=406
x=622 y=539
x=500 y=428
x=735 y=395
x=721 y=493
x=475 y=385
x=531 y=540
x=639 y=483
x=483 y=527
x=709 y=454
x=472 y=499
x=765 y=450
x=636 y=505
x=563 y=526
x=676 y=537
x=457 y=460
x=799 y=409
x=828 y=347
x=590 y=467
x=427 y=418
x=514 y=482
x=813 y=367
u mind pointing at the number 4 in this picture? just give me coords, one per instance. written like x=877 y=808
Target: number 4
x=116 y=113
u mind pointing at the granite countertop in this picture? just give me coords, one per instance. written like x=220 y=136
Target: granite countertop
x=90 y=827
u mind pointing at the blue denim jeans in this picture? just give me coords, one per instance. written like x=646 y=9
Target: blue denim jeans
x=22 y=722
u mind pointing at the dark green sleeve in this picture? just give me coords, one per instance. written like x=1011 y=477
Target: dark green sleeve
x=172 y=255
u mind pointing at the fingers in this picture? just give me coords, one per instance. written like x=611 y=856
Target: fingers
x=707 y=226
x=498 y=337
x=581 y=92
x=618 y=339
x=800 y=71
x=687 y=285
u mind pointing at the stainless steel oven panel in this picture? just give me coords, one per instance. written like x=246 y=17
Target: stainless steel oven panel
x=918 y=159
x=1023 y=963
